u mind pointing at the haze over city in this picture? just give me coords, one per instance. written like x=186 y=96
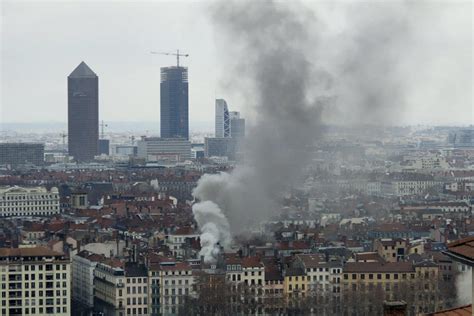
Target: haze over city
x=429 y=58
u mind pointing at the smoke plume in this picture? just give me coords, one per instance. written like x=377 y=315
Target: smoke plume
x=293 y=70
x=277 y=74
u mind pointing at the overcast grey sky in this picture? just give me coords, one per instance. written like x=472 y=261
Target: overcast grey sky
x=43 y=41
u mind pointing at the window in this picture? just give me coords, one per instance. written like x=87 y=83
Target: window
x=354 y=276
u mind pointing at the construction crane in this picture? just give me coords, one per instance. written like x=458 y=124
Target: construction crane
x=102 y=126
x=177 y=54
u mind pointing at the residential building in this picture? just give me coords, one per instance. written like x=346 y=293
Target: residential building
x=222 y=128
x=363 y=282
x=295 y=282
x=164 y=149
x=83 y=266
x=34 y=281
x=83 y=113
x=177 y=240
x=121 y=288
x=174 y=107
x=175 y=283
x=28 y=201
x=322 y=276
x=391 y=250
x=15 y=154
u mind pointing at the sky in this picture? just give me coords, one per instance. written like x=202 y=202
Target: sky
x=43 y=41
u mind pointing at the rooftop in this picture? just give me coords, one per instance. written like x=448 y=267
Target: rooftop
x=28 y=252
x=459 y=311
x=366 y=267
x=82 y=71
x=462 y=250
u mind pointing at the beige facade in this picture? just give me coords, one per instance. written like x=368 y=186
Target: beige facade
x=34 y=281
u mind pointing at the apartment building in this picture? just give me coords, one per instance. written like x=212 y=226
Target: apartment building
x=414 y=283
x=121 y=288
x=322 y=276
x=391 y=250
x=176 y=282
x=31 y=201
x=83 y=266
x=295 y=282
x=179 y=238
x=34 y=281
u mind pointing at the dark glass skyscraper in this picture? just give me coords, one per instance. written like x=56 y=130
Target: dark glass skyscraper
x=83 y=113
x=174 y=107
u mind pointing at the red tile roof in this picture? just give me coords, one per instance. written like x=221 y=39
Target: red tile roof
x=28 y=252
x=463 y=247
x=459 y=311
x=367 y=267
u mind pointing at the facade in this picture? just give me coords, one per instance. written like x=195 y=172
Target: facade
x=121 y=288
x=83 y=113
x=34 y=281
x=177 y=240
x=364 y=282
x=295 y=282
x=35 y=201
x=237 y=125
x=220 y=147
x=174 y=108
x=15 y=154
x=175 y=282
x=391 y=250
x=164 y=149
x=104 y=146
x=322 y=276
x=83 y=266
x=222 y=119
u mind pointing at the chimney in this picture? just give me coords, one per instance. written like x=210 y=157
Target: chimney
x=394 y=308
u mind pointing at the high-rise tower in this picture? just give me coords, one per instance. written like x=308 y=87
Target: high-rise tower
x=174 y=102
x=83 y=113
x=222 y=119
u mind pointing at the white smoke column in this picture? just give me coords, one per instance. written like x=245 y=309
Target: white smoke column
x=215 y=229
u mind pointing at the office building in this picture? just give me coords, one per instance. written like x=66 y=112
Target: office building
x=35 y=281
x=220 y=147
x=15 y=154
x=83 y=113
x=36 y=201
x=237 y=125
x=164 y=149
x=222 y=119
x=174 y=107
x=104 y=145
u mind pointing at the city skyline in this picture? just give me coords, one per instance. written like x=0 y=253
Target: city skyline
x=60 y=45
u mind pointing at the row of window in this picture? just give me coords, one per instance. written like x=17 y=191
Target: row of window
x=371 y=276
x=137 y=301
x=41 y=310
x=28 y=197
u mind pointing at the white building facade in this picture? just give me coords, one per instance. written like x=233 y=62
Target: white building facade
x=31 y=201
